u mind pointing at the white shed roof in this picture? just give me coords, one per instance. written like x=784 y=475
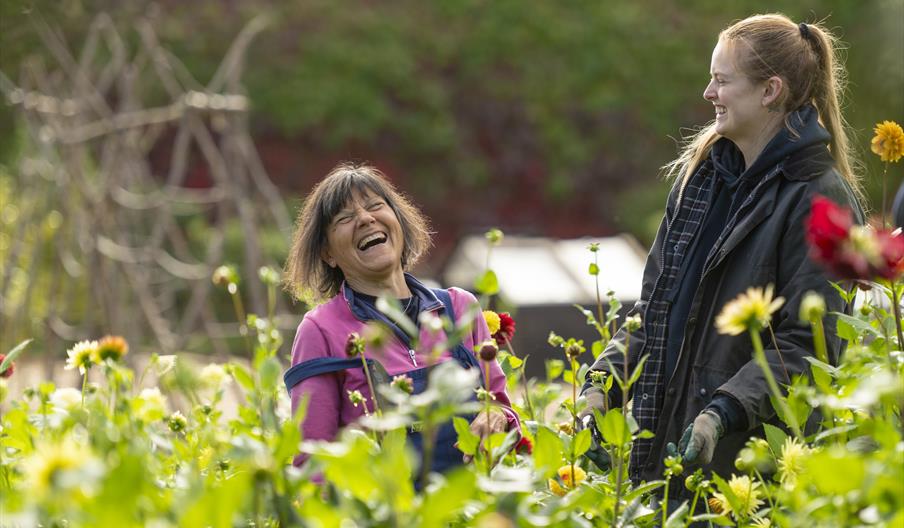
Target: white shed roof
x=537 y=271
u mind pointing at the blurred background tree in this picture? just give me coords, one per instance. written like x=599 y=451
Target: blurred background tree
x=542 y=118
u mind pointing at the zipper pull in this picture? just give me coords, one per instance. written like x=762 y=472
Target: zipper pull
x=411 y=355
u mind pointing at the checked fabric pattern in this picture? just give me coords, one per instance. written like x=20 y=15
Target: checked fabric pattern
x=683 y=226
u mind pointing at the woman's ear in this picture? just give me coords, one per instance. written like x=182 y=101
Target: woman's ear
x=773 y=91
x=326 y=257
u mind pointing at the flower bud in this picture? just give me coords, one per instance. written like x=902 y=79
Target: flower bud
x=484 y=395
x=355 y=397
x=177 y=422
x=494 y=236
x=812 y=307
x=488 y=350
x=403 y=383
x=555 y=340
x=573 y=349
x=597 y=377
x=565 y=427
x=268 y=276
x=223 y=276
x=354 y=345
x=633 y=323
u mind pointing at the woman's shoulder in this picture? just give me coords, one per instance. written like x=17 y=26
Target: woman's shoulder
x=322 y=314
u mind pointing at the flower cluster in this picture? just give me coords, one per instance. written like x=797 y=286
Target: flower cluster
x=501 y=325
x=570 y=476
x=851 y=251
x=84 y=354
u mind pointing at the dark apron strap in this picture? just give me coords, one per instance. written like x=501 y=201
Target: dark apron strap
x=317 y=366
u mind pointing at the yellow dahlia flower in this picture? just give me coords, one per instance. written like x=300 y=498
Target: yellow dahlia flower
x=568 y=481
x=750 y=310
x=747 y=493
x=791 y=463
x=888 y=142
x=493 y=321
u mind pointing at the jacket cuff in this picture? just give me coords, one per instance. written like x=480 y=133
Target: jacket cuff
x=730 y=411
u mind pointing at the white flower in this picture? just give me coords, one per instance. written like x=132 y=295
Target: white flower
x=213 y=376
x=152 y=405
x=164 y=364
x=81 y=356
x=66 y=398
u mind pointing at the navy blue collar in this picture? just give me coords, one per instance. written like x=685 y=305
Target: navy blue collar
x=364 y=311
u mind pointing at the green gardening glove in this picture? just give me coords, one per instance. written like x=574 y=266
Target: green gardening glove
x=698 y=443
x=586 y=420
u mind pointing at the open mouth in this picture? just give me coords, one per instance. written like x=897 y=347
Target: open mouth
x=371 y=241
x=720 y=110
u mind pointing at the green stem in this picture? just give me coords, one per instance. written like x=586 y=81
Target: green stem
x=665 y=499
x=240 y=315
x=84 y=385
x=486 y=403
x=759 y=356
x=370 y=385
x=896 y=308
x=530 y=405
x=690 y=514
x=765 y=490
x=619 y=466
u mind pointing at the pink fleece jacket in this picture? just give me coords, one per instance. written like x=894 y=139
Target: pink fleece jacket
x=324 y=332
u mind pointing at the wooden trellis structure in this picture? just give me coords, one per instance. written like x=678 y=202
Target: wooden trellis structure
x=116 y=237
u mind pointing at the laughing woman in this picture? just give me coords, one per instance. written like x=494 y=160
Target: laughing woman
x=735 y=219
x=356 y=236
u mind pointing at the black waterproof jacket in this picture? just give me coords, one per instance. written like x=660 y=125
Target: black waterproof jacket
x=767 y=245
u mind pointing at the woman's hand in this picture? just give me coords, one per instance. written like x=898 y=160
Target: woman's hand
x=487 y=422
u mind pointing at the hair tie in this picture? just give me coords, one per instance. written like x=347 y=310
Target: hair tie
x=804 y=30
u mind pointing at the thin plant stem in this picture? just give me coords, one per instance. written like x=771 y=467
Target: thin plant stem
x=240 y=314
x=619 y=469
x=765 y=490
x=665 y=499
x=760 y=357
x=693 y=507
x=781 y=359
x=370 y=385
x=896 y=308
x=530 y=405
x=884 y=196
x=486 y=439
x=574 y=415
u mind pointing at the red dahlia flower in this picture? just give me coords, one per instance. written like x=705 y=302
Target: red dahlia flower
x=506 y=329
x=9 y=369
x=524 y=446
x=851 y=251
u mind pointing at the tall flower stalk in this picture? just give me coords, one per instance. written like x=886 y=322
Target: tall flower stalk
x=751 y=311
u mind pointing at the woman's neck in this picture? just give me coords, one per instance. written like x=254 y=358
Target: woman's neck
x=393 y=285
x=752 y=148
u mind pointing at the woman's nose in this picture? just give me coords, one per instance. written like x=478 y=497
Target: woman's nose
x=709 y=93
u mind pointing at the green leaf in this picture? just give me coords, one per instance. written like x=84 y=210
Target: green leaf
x=568 y=377
x=637 y=371
x=594 y=269
x=445 y=500
x=467 y=440
x=13 y=354
x=502 y=443
x=596 y=349
x=487 y=283
x=554 y=368
x=582 y=442
x=858 y=325
x=242 y=376
x=547 y=451
x=677 y=517
x=270 y=373
x=614 y=428
x=515 y=362
x=775 y=437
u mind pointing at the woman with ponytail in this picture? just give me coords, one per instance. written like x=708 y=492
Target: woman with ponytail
x=734 y=220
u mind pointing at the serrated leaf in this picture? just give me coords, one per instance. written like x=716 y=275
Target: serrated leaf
x=487 y=283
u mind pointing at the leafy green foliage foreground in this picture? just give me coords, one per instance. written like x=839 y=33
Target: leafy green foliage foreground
x=125 y=453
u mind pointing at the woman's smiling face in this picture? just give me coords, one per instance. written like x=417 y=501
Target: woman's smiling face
x=738 y=101
x=365 y=240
